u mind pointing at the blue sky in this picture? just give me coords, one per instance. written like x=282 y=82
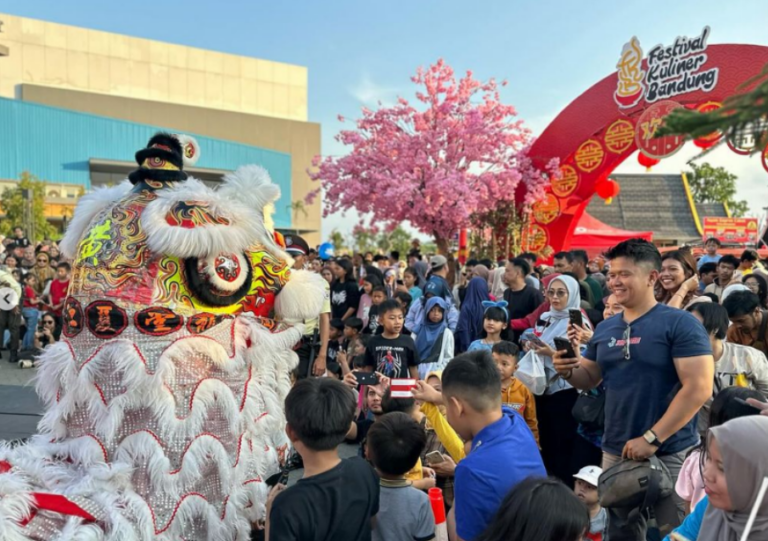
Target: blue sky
x=361 y=52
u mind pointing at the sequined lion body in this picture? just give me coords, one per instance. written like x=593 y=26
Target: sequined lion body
x=164 y=397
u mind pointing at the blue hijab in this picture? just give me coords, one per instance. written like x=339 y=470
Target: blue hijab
x=430 y=332
x=470 y=324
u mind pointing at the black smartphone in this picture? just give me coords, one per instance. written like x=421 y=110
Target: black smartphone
x=366 y=378
x=280 y=478
x=575 y=318
x=563 y=344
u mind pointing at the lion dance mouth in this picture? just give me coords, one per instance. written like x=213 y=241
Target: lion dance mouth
x=164 y=398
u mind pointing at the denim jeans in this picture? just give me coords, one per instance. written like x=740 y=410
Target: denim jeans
x=31 y=315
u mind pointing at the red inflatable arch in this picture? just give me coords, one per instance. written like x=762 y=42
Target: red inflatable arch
x=604 y=125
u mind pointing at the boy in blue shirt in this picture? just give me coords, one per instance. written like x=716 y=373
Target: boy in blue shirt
x=504 y=451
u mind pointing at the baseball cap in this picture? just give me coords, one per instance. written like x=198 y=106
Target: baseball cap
x=295 y=245
x=437 y=261
x=589 y=474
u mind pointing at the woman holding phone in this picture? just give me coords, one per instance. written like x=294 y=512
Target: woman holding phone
x=557 y=427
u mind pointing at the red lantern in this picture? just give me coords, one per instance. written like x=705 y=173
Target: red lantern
x=710 y=139
x=608 y=189
x=646 y=161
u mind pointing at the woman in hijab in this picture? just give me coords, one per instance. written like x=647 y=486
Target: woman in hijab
x=470 y=324
x=733 y=469
x=422 y=269
x=434 y=341
x=496 y=283
x=481 y=271
x=733 y=288
x=557 y=427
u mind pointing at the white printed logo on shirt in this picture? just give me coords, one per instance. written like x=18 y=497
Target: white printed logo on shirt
x=339 y=297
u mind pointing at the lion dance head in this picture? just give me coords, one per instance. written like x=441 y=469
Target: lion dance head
x=164 y=397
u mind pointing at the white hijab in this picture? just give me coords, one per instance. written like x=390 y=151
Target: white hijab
x=496 y=283
x=556 y=324
x=556 y=321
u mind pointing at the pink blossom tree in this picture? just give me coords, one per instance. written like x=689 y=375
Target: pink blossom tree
x=438 y=165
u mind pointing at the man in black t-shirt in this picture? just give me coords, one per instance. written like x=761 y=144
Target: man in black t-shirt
x=336 y=499
x=522 y=298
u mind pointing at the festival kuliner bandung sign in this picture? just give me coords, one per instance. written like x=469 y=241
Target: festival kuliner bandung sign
x=731 y=230
x=671 y=70
x=621 y=114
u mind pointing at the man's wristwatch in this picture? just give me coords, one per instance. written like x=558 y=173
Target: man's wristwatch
x=651 y=437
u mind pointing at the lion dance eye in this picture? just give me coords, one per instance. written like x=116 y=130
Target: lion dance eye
x=219 y=280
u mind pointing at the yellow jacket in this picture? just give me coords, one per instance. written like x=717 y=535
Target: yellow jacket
x=518 y=397
x=447 y=436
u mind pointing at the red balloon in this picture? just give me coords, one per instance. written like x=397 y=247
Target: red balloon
x=608 y=189
x=646 y=161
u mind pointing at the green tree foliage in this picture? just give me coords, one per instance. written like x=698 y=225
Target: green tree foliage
x=741 y=115
x=338 y=241
x=715 y=185
x=13 y=204
x=399 y=239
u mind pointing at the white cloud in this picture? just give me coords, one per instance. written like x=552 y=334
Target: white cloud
x=369 y=93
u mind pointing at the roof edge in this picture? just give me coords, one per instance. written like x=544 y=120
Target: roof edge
x=691 y=203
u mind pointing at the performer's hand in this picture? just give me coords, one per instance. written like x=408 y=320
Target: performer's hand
x=319 y=368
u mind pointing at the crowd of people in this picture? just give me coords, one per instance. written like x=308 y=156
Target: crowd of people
x=39 y=275
x=520 y=391
x=531 y=387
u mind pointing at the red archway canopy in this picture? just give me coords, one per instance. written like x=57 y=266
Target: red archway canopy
x=595 y=237
x=603 y=126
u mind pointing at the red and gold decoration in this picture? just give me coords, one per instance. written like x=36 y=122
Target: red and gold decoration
x=649 y=123
x=567 y=183
x=619 y=136
x=546 y=210
x=589 y=156
x=535 y=239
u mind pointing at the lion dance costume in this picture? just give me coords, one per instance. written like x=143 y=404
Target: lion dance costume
x=164 y=398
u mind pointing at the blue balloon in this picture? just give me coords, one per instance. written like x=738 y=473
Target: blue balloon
x=325 y=251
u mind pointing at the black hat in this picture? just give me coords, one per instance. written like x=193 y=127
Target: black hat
x=295 y=245
x=164 y=158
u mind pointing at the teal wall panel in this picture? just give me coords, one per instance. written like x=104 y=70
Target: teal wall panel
x=55 y=145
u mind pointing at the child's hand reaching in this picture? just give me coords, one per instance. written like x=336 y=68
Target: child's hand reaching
x=426 y=393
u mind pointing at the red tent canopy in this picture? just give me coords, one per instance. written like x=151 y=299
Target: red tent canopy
x=595 y=237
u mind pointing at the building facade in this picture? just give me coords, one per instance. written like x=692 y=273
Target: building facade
x=75 y=104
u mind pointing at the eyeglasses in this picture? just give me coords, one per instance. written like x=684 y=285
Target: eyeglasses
x=44 y=260
x=560 y=293
x=49 y=322
x=627 y=337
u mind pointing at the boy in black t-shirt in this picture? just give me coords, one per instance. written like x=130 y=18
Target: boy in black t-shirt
x=335 y=339
x=336 y=499
x=378 y=296
x=391 y=353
